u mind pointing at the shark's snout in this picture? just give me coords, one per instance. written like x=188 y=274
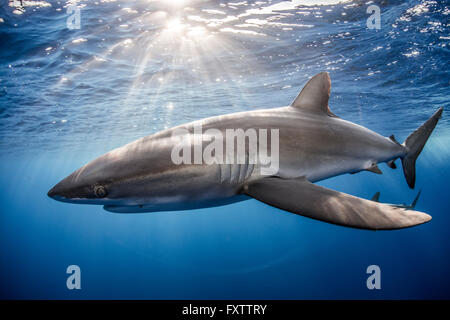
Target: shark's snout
x=72 y=188
x=81 y=187
x=61 y=190
x=52 y=193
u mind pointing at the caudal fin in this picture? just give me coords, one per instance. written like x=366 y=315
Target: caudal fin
x=414 y=145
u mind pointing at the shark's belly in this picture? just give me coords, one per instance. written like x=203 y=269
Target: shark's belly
x=195 y=184
x=189 y=187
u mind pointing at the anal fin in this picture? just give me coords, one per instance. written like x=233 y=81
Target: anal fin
x=392 y=164
x=374 y=168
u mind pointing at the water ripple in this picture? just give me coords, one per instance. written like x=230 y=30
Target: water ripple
x=131 y=59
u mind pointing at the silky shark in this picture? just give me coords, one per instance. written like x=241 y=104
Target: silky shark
x=314 y=144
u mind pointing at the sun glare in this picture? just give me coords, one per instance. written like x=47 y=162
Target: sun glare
x=176 y=3
x=177 y=45
x=175 y=25
x=197 y=32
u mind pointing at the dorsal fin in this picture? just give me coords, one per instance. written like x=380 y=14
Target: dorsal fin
x=393 y=139
x=315 y=94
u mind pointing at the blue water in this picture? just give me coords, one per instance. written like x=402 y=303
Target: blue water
x=136 y=67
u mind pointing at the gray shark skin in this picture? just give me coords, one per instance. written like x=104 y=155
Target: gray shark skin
x=314 y=144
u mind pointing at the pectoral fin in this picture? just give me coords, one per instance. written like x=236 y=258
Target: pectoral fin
x=304 y=198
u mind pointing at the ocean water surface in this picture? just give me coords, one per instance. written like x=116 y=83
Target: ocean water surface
x=136 y=67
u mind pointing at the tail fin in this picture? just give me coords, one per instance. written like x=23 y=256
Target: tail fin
x=414 y=145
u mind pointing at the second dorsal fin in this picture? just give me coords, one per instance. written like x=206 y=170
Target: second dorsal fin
x=315 y=94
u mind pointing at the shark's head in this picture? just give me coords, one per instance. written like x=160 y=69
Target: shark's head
x=138 y=173
x=84 y=186
x=78 y=189
x=105 y=180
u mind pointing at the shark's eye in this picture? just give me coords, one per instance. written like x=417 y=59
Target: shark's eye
x=100 y=191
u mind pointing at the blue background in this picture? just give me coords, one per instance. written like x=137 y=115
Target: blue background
x=136 y=67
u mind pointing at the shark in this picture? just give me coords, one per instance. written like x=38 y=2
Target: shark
x=313 y=144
